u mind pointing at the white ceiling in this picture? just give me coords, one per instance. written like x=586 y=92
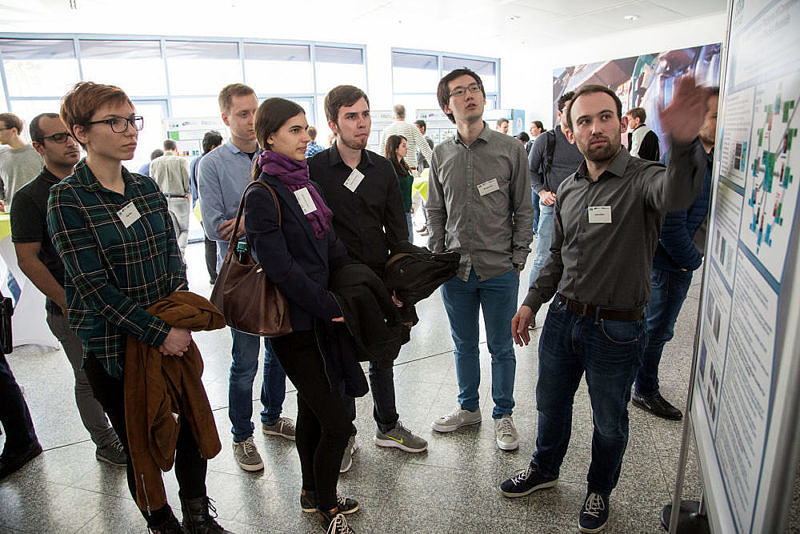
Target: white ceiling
x=483 y=27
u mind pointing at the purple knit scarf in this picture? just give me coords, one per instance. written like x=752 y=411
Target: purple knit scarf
x=294 y=175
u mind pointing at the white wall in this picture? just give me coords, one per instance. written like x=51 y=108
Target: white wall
x=527 y=73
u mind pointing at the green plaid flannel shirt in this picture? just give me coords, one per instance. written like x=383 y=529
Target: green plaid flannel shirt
x=112 y=273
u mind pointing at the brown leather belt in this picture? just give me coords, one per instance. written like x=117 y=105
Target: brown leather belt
x=597 y=313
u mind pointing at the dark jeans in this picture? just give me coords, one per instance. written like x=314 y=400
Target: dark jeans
x=190 y=467
x=609 y=352
x=323 y=427
x=14 y=414
x=667 y=292
x=381 y=383
x=535 y=201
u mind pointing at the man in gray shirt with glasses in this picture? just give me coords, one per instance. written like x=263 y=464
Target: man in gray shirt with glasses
x=479 y=204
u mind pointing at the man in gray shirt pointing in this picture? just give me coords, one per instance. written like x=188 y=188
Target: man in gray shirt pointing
x=606 y=224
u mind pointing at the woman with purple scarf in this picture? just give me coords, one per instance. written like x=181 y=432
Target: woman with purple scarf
x=297 y=250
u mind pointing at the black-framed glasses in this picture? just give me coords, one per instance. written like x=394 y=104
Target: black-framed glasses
x=60 y=138
x=461 y=91
x=120 y=124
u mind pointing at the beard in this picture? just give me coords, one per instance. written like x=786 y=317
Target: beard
x=354 y=144
x=600 y=153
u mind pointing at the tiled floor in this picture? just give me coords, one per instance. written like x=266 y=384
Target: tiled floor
x=452 y=488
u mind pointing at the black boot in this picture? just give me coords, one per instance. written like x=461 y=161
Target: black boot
x=197 y=519
x=170 y=526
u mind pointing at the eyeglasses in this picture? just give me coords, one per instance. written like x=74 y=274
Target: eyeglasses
x=59 y=138
x=120 y=124
x=461 y=91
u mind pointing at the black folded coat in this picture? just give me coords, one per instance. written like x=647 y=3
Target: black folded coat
x=415 y=274
x=369 y=313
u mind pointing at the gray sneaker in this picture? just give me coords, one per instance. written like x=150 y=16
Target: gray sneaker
x=113 y=454
x=401 y=438
x=505 y=433
x=247 y=455
x=283 y=427
x=347 y=458
x=456 y=419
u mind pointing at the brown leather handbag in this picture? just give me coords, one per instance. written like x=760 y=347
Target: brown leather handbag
x=250 y=302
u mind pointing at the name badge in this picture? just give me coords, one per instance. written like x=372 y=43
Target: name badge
x=600 y=214
x=128 y=214
x=489 y=186
x=354 y=180
x=305 y=201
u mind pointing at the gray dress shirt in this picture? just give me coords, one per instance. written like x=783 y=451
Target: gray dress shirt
x=479 y=203
x=608 y=264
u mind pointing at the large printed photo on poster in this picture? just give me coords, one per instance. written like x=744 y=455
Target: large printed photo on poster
x=646 y=81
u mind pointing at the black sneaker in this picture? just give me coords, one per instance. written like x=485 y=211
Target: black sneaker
x=12 y=461
x=346 y=505
x=334 y=523
x=594 y=513
x=526 y=482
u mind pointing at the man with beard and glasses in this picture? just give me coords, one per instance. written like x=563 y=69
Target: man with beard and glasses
x=606 y=224
x=362 y=190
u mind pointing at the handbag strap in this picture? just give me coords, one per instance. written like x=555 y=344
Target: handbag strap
x=232 y=242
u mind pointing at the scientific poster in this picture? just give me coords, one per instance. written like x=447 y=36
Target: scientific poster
x=752 y=228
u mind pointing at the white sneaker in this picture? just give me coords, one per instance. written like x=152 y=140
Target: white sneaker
x=456 y=419
x=347 y=458
x=506 y=433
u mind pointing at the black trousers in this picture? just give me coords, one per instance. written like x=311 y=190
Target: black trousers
x=14 y=414
x=323 y=424
x=190 y=467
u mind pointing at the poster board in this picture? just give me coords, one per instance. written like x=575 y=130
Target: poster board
x=745 y=409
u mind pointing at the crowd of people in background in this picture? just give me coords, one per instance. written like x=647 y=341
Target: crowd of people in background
x=617 y=233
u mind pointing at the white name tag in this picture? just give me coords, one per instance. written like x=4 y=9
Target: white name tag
x=600 y=214
x=128 y=214
x=489 y=186
x=305 y=201
x=354 y=180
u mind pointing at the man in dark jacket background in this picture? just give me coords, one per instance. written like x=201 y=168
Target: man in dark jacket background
x=680 y=251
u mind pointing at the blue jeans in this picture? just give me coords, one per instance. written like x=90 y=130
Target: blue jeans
x=498 y=298
x=535 y=201
x=609 y=352
x=545 y=235
x=14 y=414
x=240 y=389
x=410 y=225
x=667 y=292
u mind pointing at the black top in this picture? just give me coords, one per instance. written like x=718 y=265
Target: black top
x=370 y=221
x=29 y=221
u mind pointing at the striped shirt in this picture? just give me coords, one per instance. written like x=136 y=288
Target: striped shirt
x=113 y=273
x=414 y=140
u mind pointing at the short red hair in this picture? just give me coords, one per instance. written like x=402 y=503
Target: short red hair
x=78 y=106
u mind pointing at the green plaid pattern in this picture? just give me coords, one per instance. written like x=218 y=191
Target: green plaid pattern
x=112 y=273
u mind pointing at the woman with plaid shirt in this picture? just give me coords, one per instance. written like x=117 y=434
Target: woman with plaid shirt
x=114 y=235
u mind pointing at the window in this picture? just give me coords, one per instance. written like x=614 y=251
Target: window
x=337 y=66
x=39 y=67
x=189 y=61
x=278 y=69
x=134 y=65
x=416 y=75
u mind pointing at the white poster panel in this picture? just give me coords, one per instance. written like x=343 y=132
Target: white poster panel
x=749 y=278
